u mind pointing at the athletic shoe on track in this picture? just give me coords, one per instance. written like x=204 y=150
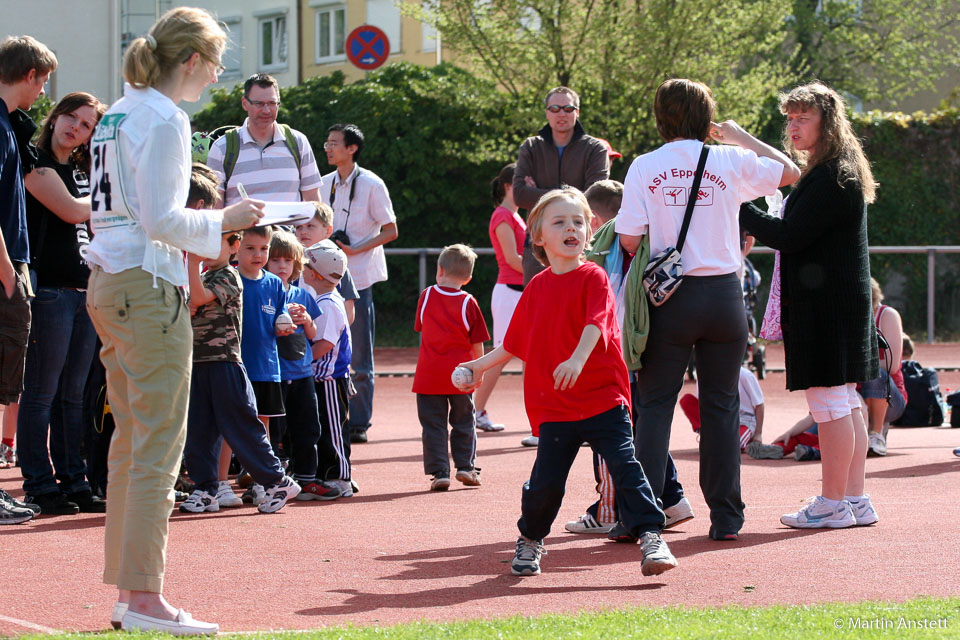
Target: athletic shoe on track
x=200 y=501
x=255 y=495
x=760 y=451
x=678 y=513
x=657 y=558
x=620 y=533
x=440 y=481
x=14 y=515
x=8 y=500
x=346 y=488
x=530 y=441
x=803 y=453
x=318 y=491
x=279 y=495
x=863 y=511
x=526 y=561
x=588 y=524
x=817 y=515
x=53 y=504
x=183 y=625
x=226 y=497
x=8 y=457
x=469 y=477
x=484 y=423
x=876 y=445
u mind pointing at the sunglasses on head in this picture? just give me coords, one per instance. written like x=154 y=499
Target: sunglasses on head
x=556 y=108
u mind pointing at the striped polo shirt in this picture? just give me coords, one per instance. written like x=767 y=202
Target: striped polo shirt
x=269 y=173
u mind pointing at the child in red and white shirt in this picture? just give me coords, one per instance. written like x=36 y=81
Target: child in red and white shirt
x=452 y=329
x=575 y=384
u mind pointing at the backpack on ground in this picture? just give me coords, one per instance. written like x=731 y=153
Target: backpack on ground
x=923 y=396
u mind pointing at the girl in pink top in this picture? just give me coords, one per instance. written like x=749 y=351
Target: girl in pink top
x=507 y=232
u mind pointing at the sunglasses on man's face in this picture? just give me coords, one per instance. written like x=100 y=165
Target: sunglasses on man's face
x=556 y=108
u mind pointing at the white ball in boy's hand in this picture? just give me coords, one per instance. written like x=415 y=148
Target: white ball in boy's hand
x=284 y=322
x=462 y=378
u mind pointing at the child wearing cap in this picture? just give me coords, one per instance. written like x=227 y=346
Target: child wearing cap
x=331 y=348
x=451 y=329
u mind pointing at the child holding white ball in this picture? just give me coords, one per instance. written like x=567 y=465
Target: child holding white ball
x=452 y=329
x=575 y=384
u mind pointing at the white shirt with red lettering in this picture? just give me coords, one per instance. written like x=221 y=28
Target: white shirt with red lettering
x=655 y=198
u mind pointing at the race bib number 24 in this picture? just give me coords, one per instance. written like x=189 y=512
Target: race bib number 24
x=107 y=204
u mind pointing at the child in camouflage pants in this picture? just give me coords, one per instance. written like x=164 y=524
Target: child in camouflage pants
x=222 y=403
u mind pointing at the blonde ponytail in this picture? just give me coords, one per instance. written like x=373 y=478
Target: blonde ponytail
x=172 y=39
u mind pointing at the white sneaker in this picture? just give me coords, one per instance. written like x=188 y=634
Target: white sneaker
x=484 y=423
x=530 y=441
x=877 y=445
x=678 y=513
x=198 y=502
x=863 y=511
x=255 y=495
x=226 y=497
x=588 y=524
x=182 y=625
x=346 y=489
x=279 y=495
x=817 y=515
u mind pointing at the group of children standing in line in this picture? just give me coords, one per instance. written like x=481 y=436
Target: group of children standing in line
x=271 y=341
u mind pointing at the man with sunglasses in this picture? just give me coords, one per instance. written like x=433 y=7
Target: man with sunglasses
x=560 y=154
x=271 y=160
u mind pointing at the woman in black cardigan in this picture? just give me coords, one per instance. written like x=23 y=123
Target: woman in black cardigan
x=828 y=335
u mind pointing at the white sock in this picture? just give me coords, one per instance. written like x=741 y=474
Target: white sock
x=830 y=503
x=852 y=499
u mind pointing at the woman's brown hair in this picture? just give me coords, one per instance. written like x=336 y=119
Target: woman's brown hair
x=837 y=139
x=80 y=157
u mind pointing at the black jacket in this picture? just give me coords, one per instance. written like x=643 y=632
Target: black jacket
x=825 y=310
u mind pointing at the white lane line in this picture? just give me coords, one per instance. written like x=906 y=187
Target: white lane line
x=28 y=625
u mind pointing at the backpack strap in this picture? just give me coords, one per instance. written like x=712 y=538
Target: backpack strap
x=292 y=143
x=230 y=155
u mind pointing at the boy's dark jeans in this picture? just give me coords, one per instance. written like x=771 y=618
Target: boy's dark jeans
x=610 y=435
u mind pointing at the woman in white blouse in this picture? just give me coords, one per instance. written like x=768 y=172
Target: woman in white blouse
x=707 y=310
x=138 y=189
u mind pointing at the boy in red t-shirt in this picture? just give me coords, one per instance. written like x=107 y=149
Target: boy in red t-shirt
x=452 y=329
x=575 y=384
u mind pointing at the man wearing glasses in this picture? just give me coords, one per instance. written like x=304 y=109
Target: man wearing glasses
x=363 y=221
x=560 y=154
x=272 y=161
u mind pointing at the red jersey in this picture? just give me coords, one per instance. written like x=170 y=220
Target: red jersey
x=545 y=330
x=450 y=323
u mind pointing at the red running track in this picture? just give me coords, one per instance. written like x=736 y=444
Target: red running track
x=397 y=552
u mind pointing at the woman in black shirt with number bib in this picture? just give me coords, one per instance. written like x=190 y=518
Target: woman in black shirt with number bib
x=62 y=339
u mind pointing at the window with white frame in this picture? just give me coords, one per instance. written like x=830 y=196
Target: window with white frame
x=233 y=55
x=330 y=26
x=428 y=33
x=273 y=46
x=385 y=15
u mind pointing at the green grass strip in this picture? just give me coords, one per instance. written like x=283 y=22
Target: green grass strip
x=918 y=618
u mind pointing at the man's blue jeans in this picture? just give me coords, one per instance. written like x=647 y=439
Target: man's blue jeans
x=362 y=335
x=62 y=344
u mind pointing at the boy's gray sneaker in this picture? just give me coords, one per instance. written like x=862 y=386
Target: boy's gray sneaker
x=526 y=561
x=760 y=451
x=656 y=555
